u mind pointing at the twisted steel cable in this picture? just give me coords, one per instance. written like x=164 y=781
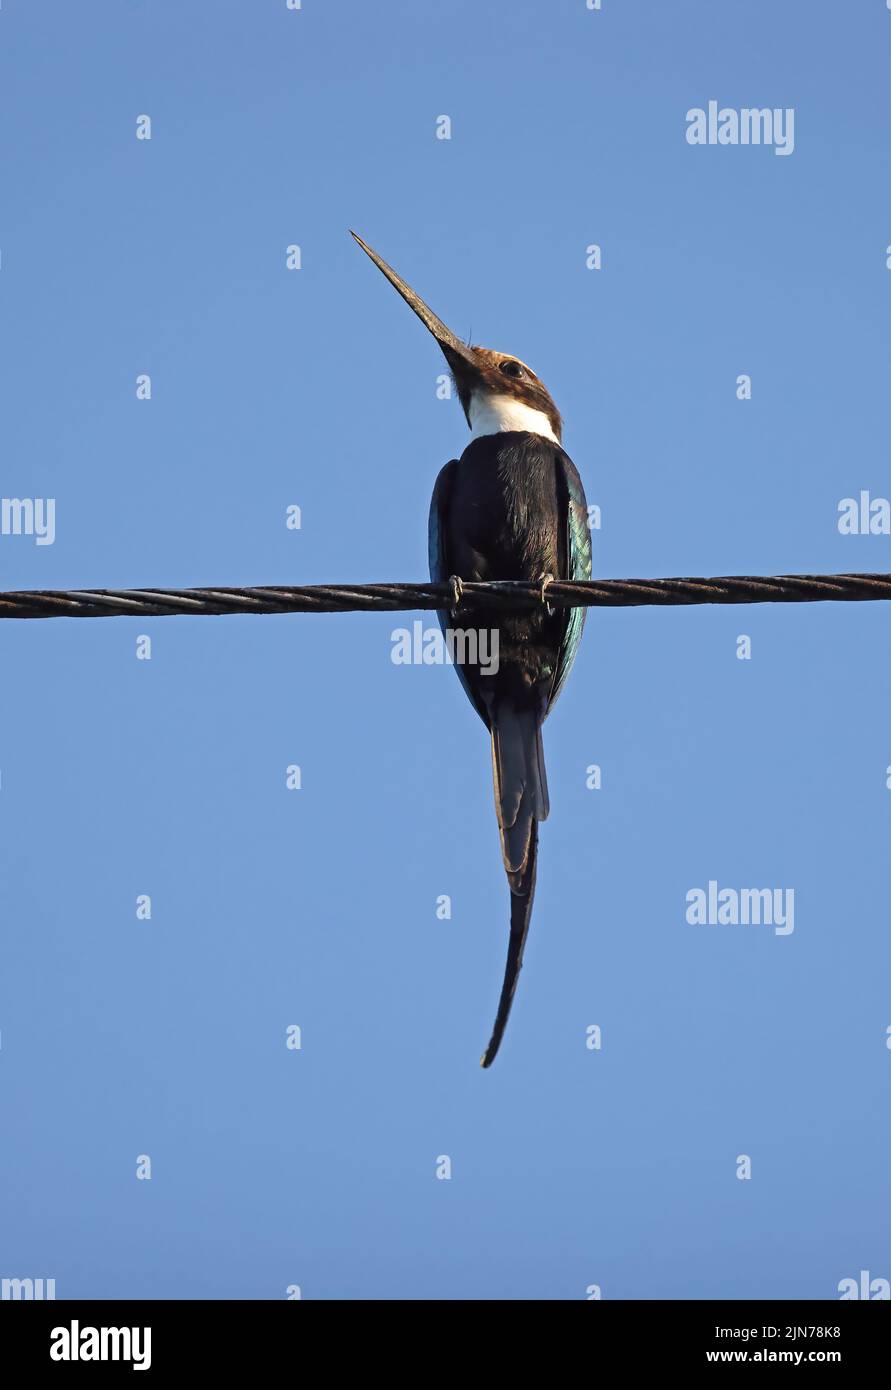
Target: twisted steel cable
x=391 y=598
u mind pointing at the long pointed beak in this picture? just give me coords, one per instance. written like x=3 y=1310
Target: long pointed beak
x=454 y=350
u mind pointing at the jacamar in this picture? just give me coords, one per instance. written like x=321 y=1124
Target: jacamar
x=511 y=507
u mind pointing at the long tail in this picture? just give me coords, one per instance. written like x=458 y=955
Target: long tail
x=521 y=801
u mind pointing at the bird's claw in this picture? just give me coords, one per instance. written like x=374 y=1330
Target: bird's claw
x=545 y=580
x=457 y=587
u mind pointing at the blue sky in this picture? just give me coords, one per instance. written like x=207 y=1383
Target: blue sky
x=570 y=1167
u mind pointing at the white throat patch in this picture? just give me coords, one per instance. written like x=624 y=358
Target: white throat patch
x=495 y=414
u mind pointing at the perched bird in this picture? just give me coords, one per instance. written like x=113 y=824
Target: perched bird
x=511 y=507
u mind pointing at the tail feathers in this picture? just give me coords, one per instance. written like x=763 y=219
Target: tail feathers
x=521 y=801
x=520 y=917
x=521 y=786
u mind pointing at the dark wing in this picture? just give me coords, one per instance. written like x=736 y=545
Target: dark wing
x=574 y=518
x=441 y=570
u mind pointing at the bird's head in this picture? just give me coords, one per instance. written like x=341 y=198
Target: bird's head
x=497 y=391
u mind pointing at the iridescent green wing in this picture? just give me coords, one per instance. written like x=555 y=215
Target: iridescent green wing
x=578 y=561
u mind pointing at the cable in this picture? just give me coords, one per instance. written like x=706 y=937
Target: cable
x=391 y=598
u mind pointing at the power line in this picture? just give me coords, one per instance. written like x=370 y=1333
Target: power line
x=391 y=598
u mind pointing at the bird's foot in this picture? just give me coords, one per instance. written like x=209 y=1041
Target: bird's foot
x=545 y=580
x=457 y=587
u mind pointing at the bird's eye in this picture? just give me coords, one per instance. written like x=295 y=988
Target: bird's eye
x=511 y=368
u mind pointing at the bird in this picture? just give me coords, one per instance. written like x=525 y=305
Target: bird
x=511 y=507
